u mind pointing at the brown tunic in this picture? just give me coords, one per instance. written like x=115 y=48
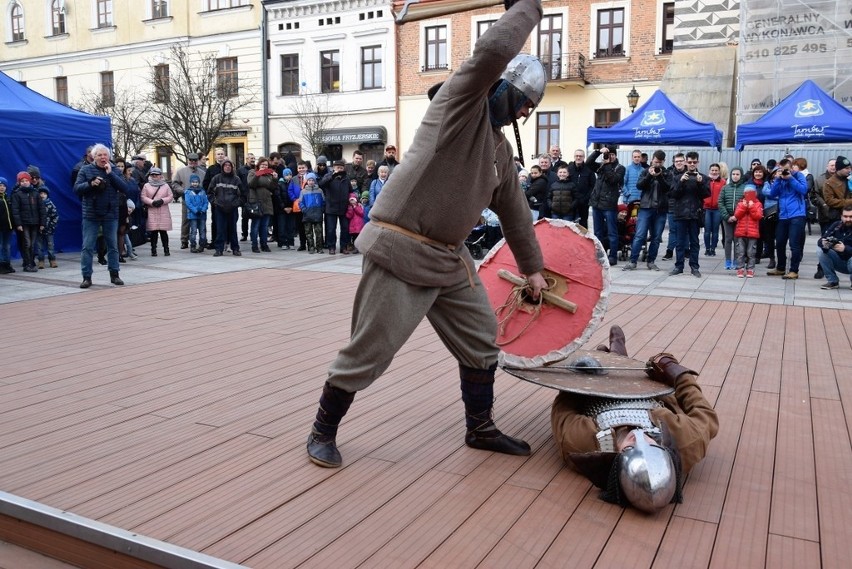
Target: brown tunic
x=457 y=165
x=689 y=417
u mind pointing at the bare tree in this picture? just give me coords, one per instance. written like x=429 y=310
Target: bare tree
x=126 y=110
x=191 y=102
x=313 y=117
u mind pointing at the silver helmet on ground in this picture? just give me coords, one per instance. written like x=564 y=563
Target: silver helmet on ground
x=647 y=474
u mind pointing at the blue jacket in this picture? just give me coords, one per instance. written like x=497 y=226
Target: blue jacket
x=632 y=173
x=790 y=193
x=312 y=204
x=196 y=202
x=100 y=203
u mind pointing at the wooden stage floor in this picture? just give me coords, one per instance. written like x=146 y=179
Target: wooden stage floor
x=179 y=410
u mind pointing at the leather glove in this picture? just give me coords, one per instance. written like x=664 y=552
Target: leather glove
x=666 y=369
x=157 y=202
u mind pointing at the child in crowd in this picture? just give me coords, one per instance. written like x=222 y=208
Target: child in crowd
x=355 y=215
x=196 y=213
x=312 y=205
x=749 y=212
x=560 y=196
x=365 y=203
x=28 y=213
x=129 y=253
x=44 y=241
x=5 y=231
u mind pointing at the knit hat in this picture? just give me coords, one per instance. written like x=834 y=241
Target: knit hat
x=365 y=195
x=841 y=163
x=756 y=160
x=33 y=171
x=43 y=189
x=24 y=175
x=311 y=176
x=3 y=181
x=193 y=178
x=321 y=160
x=287 y=172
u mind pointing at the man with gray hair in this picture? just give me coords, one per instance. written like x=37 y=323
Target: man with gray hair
x=97 y=186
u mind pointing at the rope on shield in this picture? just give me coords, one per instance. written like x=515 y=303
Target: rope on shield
x=516 y=298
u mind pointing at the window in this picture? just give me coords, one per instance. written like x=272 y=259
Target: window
x=667 y=44
x=61 y=85
x=107 y=89
x=605 y=118
x=330 y=71
x=57 y=18
x=371 y=67
x=550 y=45
x=159 y=9
x=17 y=17
x=547 y=131
x=161 y=83
x=286 y=147
x=290 y=74
x=104 y=13
x=164 y=161
x=224 y=4
x=610 y=33
x=482 y=27
x=436 y=48
x=227 y=80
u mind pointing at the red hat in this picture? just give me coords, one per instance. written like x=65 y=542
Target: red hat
x=22 y=175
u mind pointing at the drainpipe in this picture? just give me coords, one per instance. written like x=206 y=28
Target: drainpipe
x=264 y=80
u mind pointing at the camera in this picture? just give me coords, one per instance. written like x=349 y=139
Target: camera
x=692 y=174
x=656 y=169
x=785 y=172
x=829 y=243
x=606 y=156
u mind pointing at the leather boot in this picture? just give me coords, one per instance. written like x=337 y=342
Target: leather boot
x=322 y=446
x=153 y=250
x=477 y=386
x=166 y=251
x=617 y=342
x=666 y=369
x=113 y=278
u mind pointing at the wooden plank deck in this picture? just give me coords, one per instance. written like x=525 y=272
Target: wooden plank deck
x=179 y=410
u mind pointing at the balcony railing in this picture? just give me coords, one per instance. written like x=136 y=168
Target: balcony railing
x=565 y=67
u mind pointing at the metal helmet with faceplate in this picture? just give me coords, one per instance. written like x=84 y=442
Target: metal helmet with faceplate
x=647 y=474
x=526 y=73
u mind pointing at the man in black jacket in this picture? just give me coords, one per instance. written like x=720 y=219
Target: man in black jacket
x=687 y=204
x=584 y=179
x=604 y=199
x=335 y=185
x=835 y=249
x=654 y=183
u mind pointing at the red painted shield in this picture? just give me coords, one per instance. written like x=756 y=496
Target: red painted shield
x=576 y=264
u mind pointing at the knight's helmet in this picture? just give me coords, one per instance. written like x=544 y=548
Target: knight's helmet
x=647 y=475
x=526 y=73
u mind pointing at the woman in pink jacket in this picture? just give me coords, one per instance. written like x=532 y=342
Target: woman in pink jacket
x=157 y=195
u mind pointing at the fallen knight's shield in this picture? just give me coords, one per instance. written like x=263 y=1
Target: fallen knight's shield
x=540 y=340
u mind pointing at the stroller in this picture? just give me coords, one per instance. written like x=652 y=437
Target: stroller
x=628 y=214
x=484 y=236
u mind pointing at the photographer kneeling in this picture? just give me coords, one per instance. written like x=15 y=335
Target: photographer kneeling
x=835 y=250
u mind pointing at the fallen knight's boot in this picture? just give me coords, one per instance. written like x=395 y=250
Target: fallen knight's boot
x=333 y=405
x=477 y=386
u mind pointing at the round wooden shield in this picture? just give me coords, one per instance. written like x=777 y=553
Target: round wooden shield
x=576 y=266
x=609 y=375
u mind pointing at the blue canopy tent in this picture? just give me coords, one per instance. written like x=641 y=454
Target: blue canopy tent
x=35 y=130
x=808 y=115
x=658 y=122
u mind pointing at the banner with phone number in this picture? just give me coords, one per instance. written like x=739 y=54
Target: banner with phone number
x=784 y=42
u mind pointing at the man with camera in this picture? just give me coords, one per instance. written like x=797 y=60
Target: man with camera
x=835 y=250
x=604 y=198
x=655 y=184
x=584 y=181
x=687 y=205
x=790 y=188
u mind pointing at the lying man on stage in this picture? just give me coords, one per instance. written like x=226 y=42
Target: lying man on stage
x=637 y=451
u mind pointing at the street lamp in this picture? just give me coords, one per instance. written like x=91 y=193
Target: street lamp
x=632 y=99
